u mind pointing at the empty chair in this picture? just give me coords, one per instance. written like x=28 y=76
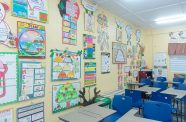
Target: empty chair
x=182 y=86
x=161 y=85
x=146 y=81
x=178 y=80
x=162 y=79
x=122 y=104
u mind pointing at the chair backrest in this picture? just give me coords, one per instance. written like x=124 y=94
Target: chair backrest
x=162 y=79
x=146 y=81
x=179 y=80
x=182 y=86
x=122 y=104
x=160 y=97
x=157 y=111
x=135 y=95
x=161 y=85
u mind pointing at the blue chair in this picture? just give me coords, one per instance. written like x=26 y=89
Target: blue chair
x=182 y=86
x=162 y=79
x=157 y=111
x=178 y=80
x=146 y=81
x=122 y=104
x=161 y=85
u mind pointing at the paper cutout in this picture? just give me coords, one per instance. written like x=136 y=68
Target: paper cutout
x=66 y=65
x=105 y=62
x=138 y=37
x=6 y=36
x=89 y=46
x=119 y=52
x=31 y=9
x=119 y=34
x=8 y=77
x=90 y=74
x=32 y=80
x=6 y=115
x=65 y=96
x=128 y=30
x=31 y=40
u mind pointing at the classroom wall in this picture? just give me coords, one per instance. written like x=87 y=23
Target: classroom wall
x=105 y=82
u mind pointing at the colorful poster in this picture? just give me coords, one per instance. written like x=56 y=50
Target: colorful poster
x=31 y=40
x=6 y=36
x=31 y=113
x=32 y=80
x=119 y=33
x=31 y=9
x=65 y=96
x=90 y=74
x=105 y=62
x=119 y=52
x=66 y=65
x=89 y=46
x=6 y=115
x=8 y=77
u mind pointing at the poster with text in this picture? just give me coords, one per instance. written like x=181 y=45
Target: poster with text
x=89 y=46
x=6 y=115
x=105 y=62
x=90 y=74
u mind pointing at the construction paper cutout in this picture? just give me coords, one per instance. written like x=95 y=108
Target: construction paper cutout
x=128 y=30
x=105 y=62
x=89 y=47
x=90 y=73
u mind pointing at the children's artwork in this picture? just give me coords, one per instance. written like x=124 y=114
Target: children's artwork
x=65 y=96
x=31 y=40
x=138 y=37
x=105 y=62
x=66 y=65
x=103 y=36
x=31 y=113
x=134 y=51
x=90 y=74
x=120 y=82
x=120 y=69
x=128 y=30
x=177 y=36
x=126 y=69
x=89 y=46
x=129 y=52
x=119 y=34
x=32 y=80
x=6 y=36
x=119 y=52
x=160 y=59
x=135 y=73
x=31 y=9
x=160 y=72
x=6 y=115
x=8 y=77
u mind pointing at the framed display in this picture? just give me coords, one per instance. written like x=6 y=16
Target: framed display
x=90 y=73
x=105 y=62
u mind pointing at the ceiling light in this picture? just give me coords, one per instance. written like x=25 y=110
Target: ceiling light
x=171 y=19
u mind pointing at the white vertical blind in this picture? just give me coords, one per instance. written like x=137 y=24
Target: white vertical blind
x=178 y=63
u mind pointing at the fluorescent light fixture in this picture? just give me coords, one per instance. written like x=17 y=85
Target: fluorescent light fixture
x=171 y=19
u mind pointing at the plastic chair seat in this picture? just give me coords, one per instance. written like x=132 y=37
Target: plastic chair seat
x=138 y=104
x=112 y=118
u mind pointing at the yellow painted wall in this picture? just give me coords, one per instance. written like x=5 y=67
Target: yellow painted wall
x=105 y=82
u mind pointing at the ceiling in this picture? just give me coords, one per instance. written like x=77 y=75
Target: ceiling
x=142 y=13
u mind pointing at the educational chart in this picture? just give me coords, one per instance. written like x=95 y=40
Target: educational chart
x=105 y=62
x=119 y=33
x=65 y=96
x=89 y=46
x=119 y=52
x=32 y=80
x=90 y=74
x=31 y=9
x=6 y=115
x=66 y=65
x=8 y=77
x=31 y=40
x=32 y=113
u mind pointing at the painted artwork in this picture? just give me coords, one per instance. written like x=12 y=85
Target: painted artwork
x=7 y=38
x=6 y=115
x=138 y=37
x=105 y=62
x=103 y=35
x=31 y=113
x=31 y=9
x=128 y=30
x=90 y=74
x=89 y=46
x=31 y=40
x=119 y=33
x=32 y=80
x=66 y=65
x=119 y=52
x=65 y=96
x=8 y=77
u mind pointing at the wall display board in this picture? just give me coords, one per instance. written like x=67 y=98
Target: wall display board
x=32 y=80
x=105 y=62
x=90 y=74
x=119 y=33
x=31 y=113
x=65 y=96
x=89 y=46
x=128 y=30
x=8 y=77
x=6 y=115
x=119 y=53
x=31 y=9
x=31 y=40
x=66 y=65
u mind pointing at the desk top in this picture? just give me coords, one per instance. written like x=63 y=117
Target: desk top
x=134 y=83
x=147 y=89
x=178 y=93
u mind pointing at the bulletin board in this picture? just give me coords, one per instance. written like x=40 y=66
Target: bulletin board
x=105 y=62
x=65 y=96
x=66 y=65
x=8 y=77
x=89 y=46
x=6 y=115
x=31 y=40
x=32 y=80
x=90 y=74
x=31 y=9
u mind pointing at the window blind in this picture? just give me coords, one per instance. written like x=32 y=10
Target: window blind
x=178 y=63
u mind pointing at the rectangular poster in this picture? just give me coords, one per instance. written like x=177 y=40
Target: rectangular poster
x=6 y=115
x=89 y=46
x=8 y=77
x=105 y=62
x=31 y=40
x=89 y=21
x=32 y=80
x=31 y=9
x=90 y=73
x=66 y=65
x=65 y=96
x=31 y=113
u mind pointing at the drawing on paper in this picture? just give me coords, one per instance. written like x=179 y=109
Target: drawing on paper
x=105 y=62
x=90 y=74
x=138 y=37
x=6 y=115
x=128 y=30
x=89 y=46
x=119 y=33
x=65 y=96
